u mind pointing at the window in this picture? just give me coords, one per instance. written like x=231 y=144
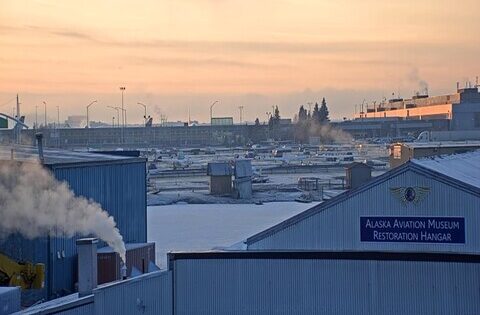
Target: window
x=397 y=152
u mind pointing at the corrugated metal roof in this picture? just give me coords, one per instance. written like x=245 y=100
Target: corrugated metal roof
x=57 y=156
x=128 y=246
x=462 y=167
x=440 y=172
x=442 y=144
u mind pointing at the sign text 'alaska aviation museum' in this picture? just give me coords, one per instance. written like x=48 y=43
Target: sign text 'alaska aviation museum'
x=413 y=229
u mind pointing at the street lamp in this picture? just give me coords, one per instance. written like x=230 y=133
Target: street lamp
x=88 y=106
x=211 y=108
x=118 y=113
x=122 y=88
x=45 y=107
x=145 y=111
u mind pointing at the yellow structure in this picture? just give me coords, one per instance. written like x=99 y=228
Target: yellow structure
x=24 y=275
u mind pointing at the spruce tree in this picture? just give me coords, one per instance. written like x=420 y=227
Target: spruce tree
x=323 y=112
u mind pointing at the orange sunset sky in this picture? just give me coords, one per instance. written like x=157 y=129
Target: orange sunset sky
x=178 y=54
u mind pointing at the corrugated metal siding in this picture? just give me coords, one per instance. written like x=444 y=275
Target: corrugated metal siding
x=9 y=300
x=338 y=227
x=86 y=309
x=306 y=286
x=120 y=188
x=146 y=294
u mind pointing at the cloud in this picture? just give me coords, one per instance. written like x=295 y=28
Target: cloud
x=206 y=62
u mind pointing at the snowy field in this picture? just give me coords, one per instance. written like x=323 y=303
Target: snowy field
x=184 y=227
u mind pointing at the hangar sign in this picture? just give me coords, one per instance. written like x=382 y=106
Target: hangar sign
x=413 y=229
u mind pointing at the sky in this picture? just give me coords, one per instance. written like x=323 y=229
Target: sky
x=179 y=56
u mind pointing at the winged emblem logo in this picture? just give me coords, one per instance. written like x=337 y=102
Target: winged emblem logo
x=410 y=194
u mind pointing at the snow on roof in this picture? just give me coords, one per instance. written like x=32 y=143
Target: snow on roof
x=54 y=156
x=219 y=169
x=463 y=167
x=441 y=144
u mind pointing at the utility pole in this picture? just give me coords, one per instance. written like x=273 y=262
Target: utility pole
x=45 y=107
x=18 y=108
x=36 y=116
x=124 y=119
x=310 y=107
x=240 y=108
x=58 y=116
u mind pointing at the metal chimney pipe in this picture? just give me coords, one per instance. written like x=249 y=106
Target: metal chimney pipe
x=87 y=265
x=39 y=137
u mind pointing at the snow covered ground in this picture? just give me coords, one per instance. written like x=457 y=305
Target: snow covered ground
x=184 y=227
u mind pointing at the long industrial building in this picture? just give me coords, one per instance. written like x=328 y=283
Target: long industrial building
x=406 y=242
x=462 y=109
x=117 y=183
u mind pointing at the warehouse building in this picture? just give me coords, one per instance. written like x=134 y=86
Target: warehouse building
x=406 y=242
x=462 y=108
x=117 y=183
x=400 y=153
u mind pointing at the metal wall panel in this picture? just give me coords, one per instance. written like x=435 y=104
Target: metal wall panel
x=86 y=309
x=338 y=226
x=120 y=188
x=316 y=286
x=147 y=294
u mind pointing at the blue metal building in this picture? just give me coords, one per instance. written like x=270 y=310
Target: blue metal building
x=406 y=242
x=439 y=188
x=117 y=183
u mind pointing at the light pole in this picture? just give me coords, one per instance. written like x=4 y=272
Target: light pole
x=124 y=114
x=88 y=106
x=36 y=116
x=118 y=113
x=211 y=111
x=122 y=88
x=45 y=107
x=145 y=111
x=58 y=116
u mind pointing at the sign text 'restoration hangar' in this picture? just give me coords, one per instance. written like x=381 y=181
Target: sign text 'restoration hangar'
x=413 y=229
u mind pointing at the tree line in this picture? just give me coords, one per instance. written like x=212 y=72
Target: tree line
x=309 y=123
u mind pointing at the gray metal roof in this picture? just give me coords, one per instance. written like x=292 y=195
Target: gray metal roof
x=219 y=169
x=459 y=170
x=441 y=144
x=58 y=156
x=462 y=167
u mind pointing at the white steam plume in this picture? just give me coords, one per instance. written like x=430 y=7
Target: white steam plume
x=35 y=204
x=329 y=133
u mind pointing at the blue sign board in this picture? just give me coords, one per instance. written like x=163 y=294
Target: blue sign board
x=413 y=229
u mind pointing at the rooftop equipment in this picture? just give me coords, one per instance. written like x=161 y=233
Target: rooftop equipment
x=87 y=265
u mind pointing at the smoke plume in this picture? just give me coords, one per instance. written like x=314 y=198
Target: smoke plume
x=34 y=204
x=328 y=133
x=414 y=77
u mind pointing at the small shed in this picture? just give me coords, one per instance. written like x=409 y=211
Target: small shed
x=140 y=259
x=220 y=178
x=243 y=187
x=243 y=168
x=357 y=174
